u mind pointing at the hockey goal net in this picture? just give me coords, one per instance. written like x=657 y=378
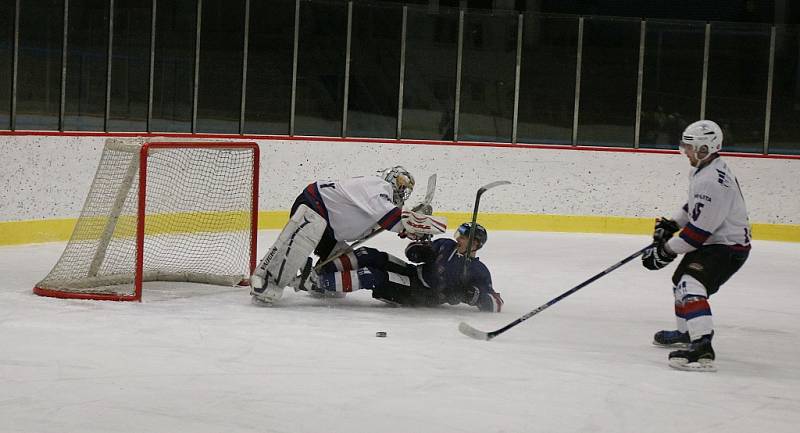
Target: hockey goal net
x=161 y=210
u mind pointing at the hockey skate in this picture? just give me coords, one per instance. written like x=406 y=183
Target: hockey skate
x=263 y=291
x=698 y=357
x=671 y=339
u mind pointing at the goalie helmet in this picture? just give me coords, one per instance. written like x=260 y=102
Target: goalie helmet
x=480 y=233
x=703 y=136
x=402 y=183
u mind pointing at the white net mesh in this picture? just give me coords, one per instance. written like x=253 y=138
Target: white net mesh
x=197 y=225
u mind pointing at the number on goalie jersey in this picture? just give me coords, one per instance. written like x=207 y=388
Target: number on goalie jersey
x=328 y=213
x=438 y=278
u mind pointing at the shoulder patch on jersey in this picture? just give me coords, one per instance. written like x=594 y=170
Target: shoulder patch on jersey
x=723 y=178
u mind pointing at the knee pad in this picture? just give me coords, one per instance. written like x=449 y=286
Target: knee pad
x=688 y=288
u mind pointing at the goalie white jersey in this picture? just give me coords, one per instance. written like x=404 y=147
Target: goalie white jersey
x=715 y=212
x=352 y=204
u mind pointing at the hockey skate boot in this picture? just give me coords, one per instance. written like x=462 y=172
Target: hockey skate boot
x=698 y=357
x=307 y=280
x=671 y=339
x=263 y=291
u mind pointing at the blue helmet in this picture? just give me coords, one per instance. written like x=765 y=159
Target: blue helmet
x=480 y=233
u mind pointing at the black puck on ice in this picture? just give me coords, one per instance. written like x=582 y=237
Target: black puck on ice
x=380 y=334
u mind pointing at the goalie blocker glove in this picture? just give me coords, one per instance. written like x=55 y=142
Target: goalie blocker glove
x=657 y=256
x=664 y=230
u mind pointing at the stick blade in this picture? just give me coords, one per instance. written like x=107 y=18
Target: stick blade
x=492 y=185
x=471 y=332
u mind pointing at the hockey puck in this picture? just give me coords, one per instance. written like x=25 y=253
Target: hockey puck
x=380 y=334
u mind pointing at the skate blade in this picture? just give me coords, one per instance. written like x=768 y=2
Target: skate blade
x=673 y=345
x=260 y=302
x=704 y=365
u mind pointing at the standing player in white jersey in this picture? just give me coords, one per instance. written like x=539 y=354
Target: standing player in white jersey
x=714 y=238
x=325 y=216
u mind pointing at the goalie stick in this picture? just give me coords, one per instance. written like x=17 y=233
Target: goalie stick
x=481 y=190
x=424 y=205
x=469 y=331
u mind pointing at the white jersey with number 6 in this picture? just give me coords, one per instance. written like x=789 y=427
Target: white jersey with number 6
x=714 y=213
x=356 y=205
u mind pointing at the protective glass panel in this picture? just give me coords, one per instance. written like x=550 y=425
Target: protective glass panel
x=430 y=74
x=547 y=79
x=374 y=71
x=269 y=67
x=320 y=68
x=784 y=135
x=87 y=65
x=219 y=95
x=487 y=77
x=130 y=66
x=41 y=30
x=608 y=82
x=673 y=81
x=6 y=59
x=737 y=84
x=173 y=80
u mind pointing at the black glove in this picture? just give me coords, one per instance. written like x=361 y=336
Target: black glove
x=665 y=229
x=657 y=256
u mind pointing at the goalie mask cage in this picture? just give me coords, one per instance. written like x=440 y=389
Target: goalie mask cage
x=159 y=210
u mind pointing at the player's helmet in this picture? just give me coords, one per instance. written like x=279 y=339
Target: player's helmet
x=703 y=136
x=480 y=233
x=402 y=183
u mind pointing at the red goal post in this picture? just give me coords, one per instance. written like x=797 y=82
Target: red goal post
x=162 y=210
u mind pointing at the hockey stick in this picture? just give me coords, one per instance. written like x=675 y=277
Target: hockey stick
x=469 y=331
x=426 y=202
x=481 y=190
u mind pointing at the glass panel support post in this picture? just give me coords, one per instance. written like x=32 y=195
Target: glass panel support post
x=459 y=60
x=401 y=85
x=347 y=67
x=295 y=44
x=578 y=64
x=109 y=56
x=770 y=77
x=196 y=84
x=15 y=67
x=515 y=119
x=245 y=46
x=63 y=102
x=639 y=85
x=704 y=86
x=151 y=80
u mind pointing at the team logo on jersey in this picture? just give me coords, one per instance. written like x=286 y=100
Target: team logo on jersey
x=386 y=197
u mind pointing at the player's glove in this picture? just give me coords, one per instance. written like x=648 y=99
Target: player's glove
x=657 y=256
x=471 y=295
x=665 y=228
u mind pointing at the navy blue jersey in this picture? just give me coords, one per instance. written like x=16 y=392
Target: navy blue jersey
x=443 y=271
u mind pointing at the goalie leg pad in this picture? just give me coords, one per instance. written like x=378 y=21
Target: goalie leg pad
x=295 y=243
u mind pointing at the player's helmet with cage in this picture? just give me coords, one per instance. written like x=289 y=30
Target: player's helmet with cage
x=480 y=233
x=402 y=183
x=704 y=137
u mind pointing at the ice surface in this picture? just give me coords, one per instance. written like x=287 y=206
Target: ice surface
x=193 y=358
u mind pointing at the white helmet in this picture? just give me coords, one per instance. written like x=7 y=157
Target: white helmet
x=704 y=136
x=402 y=183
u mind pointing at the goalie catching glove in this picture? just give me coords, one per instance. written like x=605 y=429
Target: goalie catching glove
x=419 y=226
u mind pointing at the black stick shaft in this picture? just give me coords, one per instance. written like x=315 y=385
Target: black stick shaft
x=530 y=314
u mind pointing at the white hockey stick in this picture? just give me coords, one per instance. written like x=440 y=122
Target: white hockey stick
x=421 y=206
